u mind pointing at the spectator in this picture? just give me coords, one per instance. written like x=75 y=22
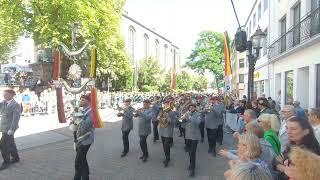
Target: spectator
x=298 y=110
x=249 y=116
x=286 y=113
x=300 y=134
x=270 y=125
x=314 y=118
x=263 y=106
x=245 y=171
x=249 y=150
x=303 y=164
x=254 y=105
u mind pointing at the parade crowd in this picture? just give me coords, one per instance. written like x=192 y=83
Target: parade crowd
x=272 y=142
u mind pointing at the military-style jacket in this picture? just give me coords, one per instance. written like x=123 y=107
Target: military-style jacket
x=144 y=118
x=10 y=116
x=214 y=118
x=127 y=119
x=85 y=131
x=192 y=126
x=156 y=110
x=172 y=120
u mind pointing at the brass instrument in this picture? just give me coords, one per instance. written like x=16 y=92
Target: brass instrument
x=120 y=111
x=137 y=112
x=185 y=116
x=164 y=115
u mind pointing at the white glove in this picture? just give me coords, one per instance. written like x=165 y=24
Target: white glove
x=10 y=132
x=74 y=146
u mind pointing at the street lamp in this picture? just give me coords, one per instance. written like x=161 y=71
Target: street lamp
x=253 y=44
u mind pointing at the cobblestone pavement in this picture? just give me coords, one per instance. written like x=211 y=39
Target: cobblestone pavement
x=55 y=160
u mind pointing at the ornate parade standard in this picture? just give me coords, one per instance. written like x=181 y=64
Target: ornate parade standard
x=75 y=73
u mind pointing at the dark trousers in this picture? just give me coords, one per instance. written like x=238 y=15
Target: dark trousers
x=192 y=146
x=220 y=134
x=8 y=147
x=201 y=126
x=81 y=163
x=155 y=130
x=166 y=141
x=143 y=145
x=125 y=141
x=212 y=138
x=182 y=130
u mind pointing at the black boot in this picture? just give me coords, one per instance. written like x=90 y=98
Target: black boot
x=4 y=166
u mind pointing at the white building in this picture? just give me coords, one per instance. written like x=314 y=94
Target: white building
x=289 y=68
x=294 y=55
x=142 y=42
x=258 y=17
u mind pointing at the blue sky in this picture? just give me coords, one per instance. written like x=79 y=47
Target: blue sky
x=182 y=20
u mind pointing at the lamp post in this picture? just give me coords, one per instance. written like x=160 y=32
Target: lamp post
x=253 y=46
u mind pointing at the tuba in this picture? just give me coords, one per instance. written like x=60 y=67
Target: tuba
x=164 y=116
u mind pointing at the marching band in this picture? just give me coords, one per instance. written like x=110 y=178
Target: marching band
x=191 y=115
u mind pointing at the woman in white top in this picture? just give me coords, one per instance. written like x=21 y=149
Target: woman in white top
x=314 y=118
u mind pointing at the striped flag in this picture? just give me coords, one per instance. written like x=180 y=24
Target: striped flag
x=227 y=62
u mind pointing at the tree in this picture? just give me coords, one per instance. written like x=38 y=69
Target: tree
x=149 y=75
x=48 y=22
x=200 y=83
x=10 y=28
x=184 y=81
x=208 y=54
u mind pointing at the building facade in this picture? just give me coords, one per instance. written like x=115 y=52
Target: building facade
x=258 y=18
x=143 y=42
x=294 y=55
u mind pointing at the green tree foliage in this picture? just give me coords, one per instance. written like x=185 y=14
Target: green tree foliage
x=184 y=81
x=10 y=28
x=200 y=83
x=208 y=54
x=48 y=22
x=150 y=75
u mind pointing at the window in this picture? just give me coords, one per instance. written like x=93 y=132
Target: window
x=249 y=29
x=265 y=5
x=259 y=11
x=265 y=43
x=289 y=87
x=315 y=4
x=146 y=45
x=296 y=25
x=157 y=49
x=241 y=63
x=131 y=43
x=241 y=78
x=254 y=21
x=165 y=54
x=283 y=28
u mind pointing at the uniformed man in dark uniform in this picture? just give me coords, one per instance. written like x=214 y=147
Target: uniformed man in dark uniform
x=167 y=119
x=192 y=120
x=155 y=122
x=144 y=116
x=127 y=125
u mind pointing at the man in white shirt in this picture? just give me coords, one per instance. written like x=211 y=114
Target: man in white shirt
x=286 y=113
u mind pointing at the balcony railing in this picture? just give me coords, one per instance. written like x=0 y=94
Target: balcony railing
x=307 y=28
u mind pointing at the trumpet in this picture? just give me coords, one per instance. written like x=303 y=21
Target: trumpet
x=120 y=111
x=137 y=112
x=184 y=117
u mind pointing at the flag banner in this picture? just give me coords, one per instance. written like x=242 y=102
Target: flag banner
x=97 y=122
x=227 y=62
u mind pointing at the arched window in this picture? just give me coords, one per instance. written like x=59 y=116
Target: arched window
x=157 y=49
x=165 y=54
x=146 y=45
x=131 y=43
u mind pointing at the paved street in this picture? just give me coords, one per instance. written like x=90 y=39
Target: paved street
x=49 y=155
